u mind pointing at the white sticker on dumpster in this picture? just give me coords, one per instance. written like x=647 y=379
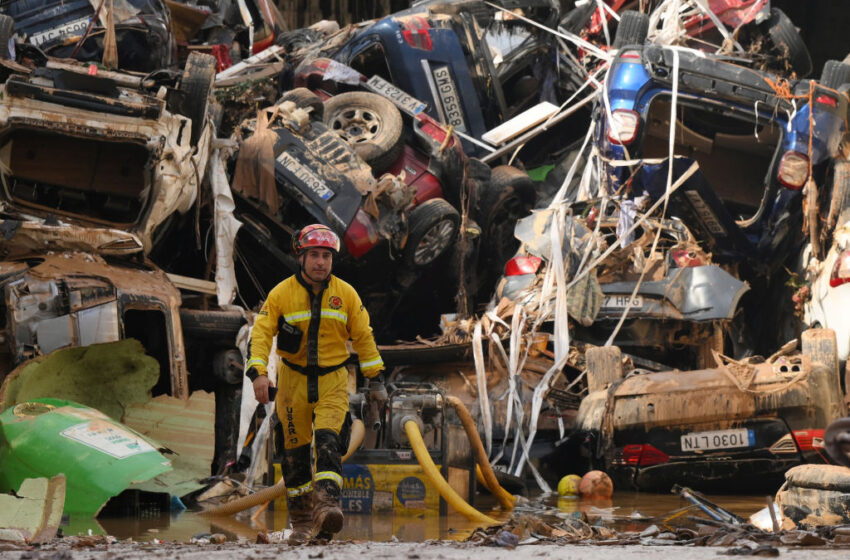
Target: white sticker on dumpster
x=718 y=439
x=107 y=438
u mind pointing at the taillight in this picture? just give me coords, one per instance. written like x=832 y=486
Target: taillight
x=643 y=455
x=841 y=271
x=623 y=127
x=418 y=39
x=685 y=258
x=783 y=445
x=794 y=170
x=808 y=440
x=630 y=54
x=826 y=100
x=798 y=440
x=522 y=265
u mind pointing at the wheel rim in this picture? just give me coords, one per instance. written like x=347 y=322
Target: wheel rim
x=357 y=124
x=434 y=242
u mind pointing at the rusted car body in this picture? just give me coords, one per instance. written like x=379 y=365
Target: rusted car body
x=77 y=299
x=102 y=152
x=741 y=424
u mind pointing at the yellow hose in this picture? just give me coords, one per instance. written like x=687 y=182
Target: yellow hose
x=358 y=432
x=488 y=477
x=446 y=491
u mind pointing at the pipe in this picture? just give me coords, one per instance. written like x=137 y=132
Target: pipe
x=446 y=491
x=506 y=500
x=358 y=432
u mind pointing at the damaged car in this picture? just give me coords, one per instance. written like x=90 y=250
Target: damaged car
x=78 y=30
x=739 y=425
x=404 y=221
x=110 y=155
x=473 y=65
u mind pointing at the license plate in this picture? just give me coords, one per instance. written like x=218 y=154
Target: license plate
x=622 y=301
x=403 y=101
x=76 y=27
x=718 y=439
x=449 y=99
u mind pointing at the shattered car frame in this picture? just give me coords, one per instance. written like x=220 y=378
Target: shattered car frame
x=102 y=152
x=741 y=424
x=145 y=42
x=750 y=132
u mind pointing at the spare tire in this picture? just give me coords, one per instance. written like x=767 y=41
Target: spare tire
x=632 y=29
x=432 y=229
x=196 y=86
x=370 y=123
x=787 y=42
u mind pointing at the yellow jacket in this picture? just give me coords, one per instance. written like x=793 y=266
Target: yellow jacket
x=340 y=316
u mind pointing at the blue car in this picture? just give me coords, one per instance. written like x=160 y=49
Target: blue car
x=474 y=68
x=758 y=140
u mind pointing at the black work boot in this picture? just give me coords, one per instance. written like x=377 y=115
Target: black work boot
x=327 y=511
x=300 y=517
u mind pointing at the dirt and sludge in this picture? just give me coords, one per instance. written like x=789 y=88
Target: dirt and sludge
x=603 y=245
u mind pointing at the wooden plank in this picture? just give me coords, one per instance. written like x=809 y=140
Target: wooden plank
x=520 y=123
x=192 y=284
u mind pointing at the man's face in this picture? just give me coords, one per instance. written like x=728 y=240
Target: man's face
x=317 y=264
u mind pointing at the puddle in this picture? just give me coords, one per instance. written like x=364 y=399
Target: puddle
x=626 y=511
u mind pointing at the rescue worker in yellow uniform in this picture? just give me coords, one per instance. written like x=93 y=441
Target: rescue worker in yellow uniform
x=313 y=313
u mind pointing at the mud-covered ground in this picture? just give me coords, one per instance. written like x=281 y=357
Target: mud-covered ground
x=431 y=550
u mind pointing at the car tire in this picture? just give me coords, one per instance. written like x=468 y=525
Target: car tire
x=839 y=209
x=821 y=347
x=370 y=123
x=835 y=74
x=432 y=228
x=632 y=29
x=604 y=366
x=786 y=40
x=196 y=86
x=211 y=325
x=509 y=196
x=305 y=99
x=577 y=19
x=7 y=29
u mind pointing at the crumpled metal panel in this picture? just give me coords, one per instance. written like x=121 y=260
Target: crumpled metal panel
x=699 y=293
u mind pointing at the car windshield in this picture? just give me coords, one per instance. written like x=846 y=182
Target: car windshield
x=734 y=154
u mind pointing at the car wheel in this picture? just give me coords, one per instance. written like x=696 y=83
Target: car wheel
x=432 y=229
x=632 y=29
x=370 y=123
x=604 y=366
x=836 y=440
x=509 y=197
x=787 y=41
x=196 y=86
x=7 y=29
x=835 y=74
x=305 y=99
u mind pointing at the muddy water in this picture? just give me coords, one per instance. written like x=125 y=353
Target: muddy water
x=626 y=511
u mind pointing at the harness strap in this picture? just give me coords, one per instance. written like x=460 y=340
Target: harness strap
x=313 y=373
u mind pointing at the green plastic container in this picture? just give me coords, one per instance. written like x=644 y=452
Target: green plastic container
x=99 y=456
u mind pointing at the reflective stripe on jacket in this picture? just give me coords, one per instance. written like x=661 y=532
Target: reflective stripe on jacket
x=341 y=316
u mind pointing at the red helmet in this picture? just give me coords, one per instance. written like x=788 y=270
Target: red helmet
x=315 y=236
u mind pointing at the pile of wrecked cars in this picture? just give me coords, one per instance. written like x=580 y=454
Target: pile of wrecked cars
x=627 y=333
